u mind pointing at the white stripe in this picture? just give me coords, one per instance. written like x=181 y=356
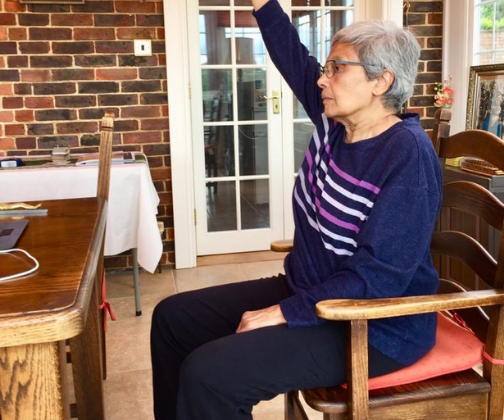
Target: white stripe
x=318 y=228
x=337 y=251
x=306 y=195
x=338 y=205
x=312 y=222
x=337 y=237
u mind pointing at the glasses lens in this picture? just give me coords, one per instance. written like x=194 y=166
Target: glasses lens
x=329 y=69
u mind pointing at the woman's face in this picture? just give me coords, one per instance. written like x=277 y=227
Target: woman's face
x=348 y=95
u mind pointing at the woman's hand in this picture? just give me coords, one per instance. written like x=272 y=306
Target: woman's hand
x=267 y=317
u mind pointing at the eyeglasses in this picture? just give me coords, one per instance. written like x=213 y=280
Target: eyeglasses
x=331 y=67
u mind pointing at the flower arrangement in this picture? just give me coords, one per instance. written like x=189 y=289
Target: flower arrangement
x=443 y=97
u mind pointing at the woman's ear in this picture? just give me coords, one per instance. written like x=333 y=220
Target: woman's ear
x=384 y=82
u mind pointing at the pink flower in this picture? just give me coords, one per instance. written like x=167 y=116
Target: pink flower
x=443 y=97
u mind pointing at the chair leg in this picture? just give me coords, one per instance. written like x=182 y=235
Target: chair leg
x=136 y=282
x=87 y=370
x=293 y=408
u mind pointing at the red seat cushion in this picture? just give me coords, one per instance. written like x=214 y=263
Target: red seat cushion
x=456 y=349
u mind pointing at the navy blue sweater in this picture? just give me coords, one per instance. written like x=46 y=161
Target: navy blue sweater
x=364 y=212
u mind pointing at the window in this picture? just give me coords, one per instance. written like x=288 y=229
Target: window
x=488 y=40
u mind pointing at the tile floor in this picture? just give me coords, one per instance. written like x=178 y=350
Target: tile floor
x=127 y=388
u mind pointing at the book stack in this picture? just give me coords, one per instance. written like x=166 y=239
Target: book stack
x=479 y=166
x=60 y=155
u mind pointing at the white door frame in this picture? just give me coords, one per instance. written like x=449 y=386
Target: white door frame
x=177 y=64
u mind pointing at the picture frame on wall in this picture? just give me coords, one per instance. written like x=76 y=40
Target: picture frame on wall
x=485 y=99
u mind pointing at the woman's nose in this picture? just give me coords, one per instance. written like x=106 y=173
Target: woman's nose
x=322 y=80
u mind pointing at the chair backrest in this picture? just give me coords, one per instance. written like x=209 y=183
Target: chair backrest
x=468 y=197
x=106 y=140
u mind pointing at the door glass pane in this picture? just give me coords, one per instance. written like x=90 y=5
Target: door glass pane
x=339 y=2
x=250 y=47
x=253 y=147
x=254 y=203
x=217 y=97
x=215 y=47
x=219 y=151
x=251 y=87
x=221 y=206
x=214 y=2
x=305 y=3
x=302 y=135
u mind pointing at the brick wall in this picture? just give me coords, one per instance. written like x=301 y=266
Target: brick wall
x=425 y=18
x=62 y=66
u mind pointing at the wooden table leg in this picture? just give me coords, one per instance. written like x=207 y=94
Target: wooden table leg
x=87 y=366
x=33 y=383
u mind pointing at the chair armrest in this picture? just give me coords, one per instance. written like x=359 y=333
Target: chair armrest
x=360 y=309
x=284 y=245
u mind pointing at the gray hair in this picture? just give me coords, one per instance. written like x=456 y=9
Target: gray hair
x=383 y=45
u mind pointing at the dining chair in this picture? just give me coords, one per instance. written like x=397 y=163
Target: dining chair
x=79 y=344
x=463 y=376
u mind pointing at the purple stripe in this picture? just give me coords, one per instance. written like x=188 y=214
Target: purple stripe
x=350 y=178
x=334 y=219
x=309 y=159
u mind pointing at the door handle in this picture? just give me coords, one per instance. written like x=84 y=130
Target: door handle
x=276 y=101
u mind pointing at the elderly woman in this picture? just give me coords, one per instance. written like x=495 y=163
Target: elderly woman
x=365 y=202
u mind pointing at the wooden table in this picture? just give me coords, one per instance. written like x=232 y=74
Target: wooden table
x=40 y=311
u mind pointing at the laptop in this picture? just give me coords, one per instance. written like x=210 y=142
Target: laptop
x=10 y=232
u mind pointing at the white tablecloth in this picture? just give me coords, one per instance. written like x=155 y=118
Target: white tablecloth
x=132 y=207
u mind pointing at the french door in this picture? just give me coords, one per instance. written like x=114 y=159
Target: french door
x=234 y=156
x=249 y=134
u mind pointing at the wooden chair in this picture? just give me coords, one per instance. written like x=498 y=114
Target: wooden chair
x=79 y=345
x=457 y=396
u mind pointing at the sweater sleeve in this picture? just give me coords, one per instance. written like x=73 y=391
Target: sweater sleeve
x=300 y=70
x=392 y=243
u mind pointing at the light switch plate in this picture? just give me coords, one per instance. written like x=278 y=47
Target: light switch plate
x=143 y=47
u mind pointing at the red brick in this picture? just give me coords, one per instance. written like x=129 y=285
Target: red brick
x=94 y=33
x=24 y=115
x=7 y=19
x=75 y=19
x=18 y=34
x=6 y=116
x=77 y=127
x=144 y=111
x=14 y=6
x=160 y=173
x=35 y=75
x=2 y=62
x=29 y=75
x=12 y=103
x=154 y=124
x=116 y=74
x=26 y=143
x=6 y=144
x=143 y=137
x=165 y=198
x=3 y=34
x=134 y=7
x=14 y=129
x=17 y=61
x=35 y=102
x=136 y=33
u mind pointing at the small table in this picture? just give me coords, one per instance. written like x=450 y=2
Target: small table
x=132 y=204
x=39 y=311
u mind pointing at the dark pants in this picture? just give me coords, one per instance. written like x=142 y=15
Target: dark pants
x=203 y=370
